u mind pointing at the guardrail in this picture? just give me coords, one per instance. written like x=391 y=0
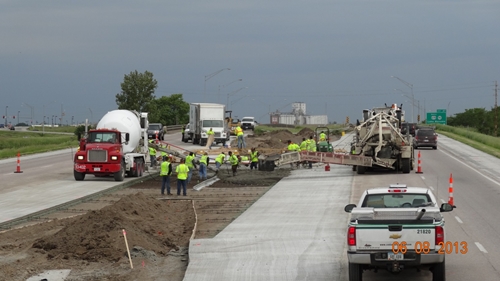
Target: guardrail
x=174 y=128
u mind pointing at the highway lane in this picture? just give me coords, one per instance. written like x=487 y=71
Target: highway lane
x=476 y=195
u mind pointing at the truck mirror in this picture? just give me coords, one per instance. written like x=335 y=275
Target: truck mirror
x=127 y=137
x=348 y=208
x=445 y=207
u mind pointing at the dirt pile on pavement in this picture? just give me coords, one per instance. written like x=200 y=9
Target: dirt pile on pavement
x=98 y=235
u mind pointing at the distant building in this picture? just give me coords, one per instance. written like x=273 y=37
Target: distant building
x=297 y=116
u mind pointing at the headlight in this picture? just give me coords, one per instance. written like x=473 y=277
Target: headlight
x=80 y=157
x=114 y=158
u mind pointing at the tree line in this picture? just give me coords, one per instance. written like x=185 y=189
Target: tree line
x=480 y=119
x=138 y=93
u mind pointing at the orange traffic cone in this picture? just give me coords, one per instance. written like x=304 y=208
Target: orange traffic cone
x=327 y=167
x=18 y=170
x=450 y=190
x=419 y=168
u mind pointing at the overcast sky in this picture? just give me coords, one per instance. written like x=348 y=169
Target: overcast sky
x=336 y=56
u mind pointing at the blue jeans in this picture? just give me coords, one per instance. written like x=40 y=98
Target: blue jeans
x=190 y=174
x=183 y=184
x=165 y=181
x=217 y=165
x=241 y=142
x=202 y=171
x=153 y=159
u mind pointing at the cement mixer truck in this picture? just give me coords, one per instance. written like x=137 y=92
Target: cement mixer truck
x=379 y=137
x=117 y=147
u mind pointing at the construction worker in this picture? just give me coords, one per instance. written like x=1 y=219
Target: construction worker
x=303 y=144
x=219 y=160
x=202 y=175
x=254 y=156
x=322 y=136
x=233 y=159
x=191 y=165
x=182 y=132
x=311 y=147
x=293 y=146
x=312 y=144
x=163 y=153
x=210 y=133
x=241 y=139
x=182 y=171
x=165 y=172
x=152 y=155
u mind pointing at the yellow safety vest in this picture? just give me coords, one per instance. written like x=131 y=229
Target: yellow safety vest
x=220 y=158
x=164 y=168
x=189 y=161
x=233 y=159
x=210 y=132
x=239 y=131
x=152 y=151
x=203 y=159
x=255 y=156
x=182 y=171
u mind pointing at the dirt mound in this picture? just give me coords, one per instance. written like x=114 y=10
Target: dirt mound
x=98 y=235
x=306 y=133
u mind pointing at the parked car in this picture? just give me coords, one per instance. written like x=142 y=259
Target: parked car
x=248 y=123
x=12 y=128
x=425 y=137
x=2 y=126
x=155 y=129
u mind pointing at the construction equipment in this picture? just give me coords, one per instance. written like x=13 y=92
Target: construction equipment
x=379 y=137
x=323 y=139
x=116 y=147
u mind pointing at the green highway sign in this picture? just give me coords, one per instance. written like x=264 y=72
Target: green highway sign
x=436 y=117
x=441 y=110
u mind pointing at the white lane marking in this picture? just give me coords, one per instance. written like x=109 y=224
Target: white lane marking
x=47 y=166
x=432 y=188
x=458 y=219
x=481 y=248
x=443 y=201
x=472 y=168
x=422 y=177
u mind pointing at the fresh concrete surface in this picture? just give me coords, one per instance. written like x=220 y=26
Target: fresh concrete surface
x=296 y=231
x=51 y=275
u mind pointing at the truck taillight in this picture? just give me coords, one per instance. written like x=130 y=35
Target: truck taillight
x=351 y=236
x=439 y=235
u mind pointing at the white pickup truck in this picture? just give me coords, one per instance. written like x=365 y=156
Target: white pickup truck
x=394 y=228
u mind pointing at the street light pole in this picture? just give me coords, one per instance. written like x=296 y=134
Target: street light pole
x=6 y=116
x=18 y=121
x=32 y=111
x=207 y=77
x=223 y=86
x=232 y=93
x=413 y=98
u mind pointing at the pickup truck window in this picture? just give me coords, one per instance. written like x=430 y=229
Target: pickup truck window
x=397 y=200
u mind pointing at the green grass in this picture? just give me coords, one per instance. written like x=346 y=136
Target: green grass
x=62 y=129
x=485 y=143
x=30 y=143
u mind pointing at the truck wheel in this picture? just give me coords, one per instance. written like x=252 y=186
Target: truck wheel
x=406 y=166
x=361 y=169
x=135 y=170
x=78 y=176
x=355 y=272
x=120 y=175
x=439 y=272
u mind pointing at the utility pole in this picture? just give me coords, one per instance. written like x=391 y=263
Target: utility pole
x=496 y=109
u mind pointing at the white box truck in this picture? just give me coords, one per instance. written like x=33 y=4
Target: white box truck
x=202 y=117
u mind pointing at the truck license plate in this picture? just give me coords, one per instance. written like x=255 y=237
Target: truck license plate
x=97 y=169
x=391 y=256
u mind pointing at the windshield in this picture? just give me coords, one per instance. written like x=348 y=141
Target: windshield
x=427 y=133
x=248 y=119
x=154 y=127
x=213 y=123
x=397 y=200
x=96 y=137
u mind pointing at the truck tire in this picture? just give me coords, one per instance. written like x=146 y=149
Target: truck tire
x=361 y=170
x=78 y=176
x=135 y=170
x=405 y=165
x=120 y=175
x=355 y=272
x=439 y=272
